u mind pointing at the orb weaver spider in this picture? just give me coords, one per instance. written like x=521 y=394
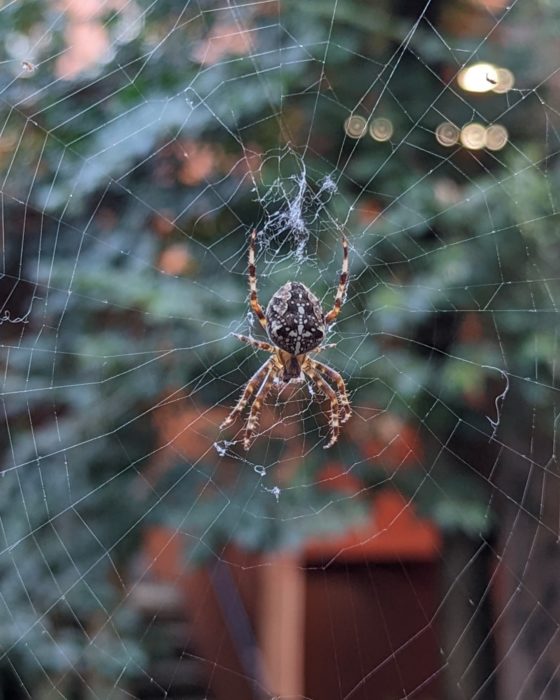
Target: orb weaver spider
x=296 y=325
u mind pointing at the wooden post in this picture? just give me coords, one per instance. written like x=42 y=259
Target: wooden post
x=282 y=624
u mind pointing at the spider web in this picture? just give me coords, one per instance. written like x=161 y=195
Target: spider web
x=134 y=170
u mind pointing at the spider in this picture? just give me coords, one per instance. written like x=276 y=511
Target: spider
x=295 y=324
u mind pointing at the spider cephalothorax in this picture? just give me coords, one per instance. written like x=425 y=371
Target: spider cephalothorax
x=296 y=325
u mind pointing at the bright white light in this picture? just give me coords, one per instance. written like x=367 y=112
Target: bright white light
x=480 y=77
x=473 y=136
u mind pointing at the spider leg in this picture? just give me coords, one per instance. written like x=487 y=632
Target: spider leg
x=328 y=346
x=335 y=378
x=330 y=393
x=254 y=301
x=249 y=390
x=342 y=285
x=256 y=408
x=255 y=343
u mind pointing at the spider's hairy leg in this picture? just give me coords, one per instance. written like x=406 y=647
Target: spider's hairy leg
x=342 y=285
x=261 y=345
x=330 y=393
x=256 y=408
x=254 y=300
x=249 y=390
x=328 y=346
x=337 y=379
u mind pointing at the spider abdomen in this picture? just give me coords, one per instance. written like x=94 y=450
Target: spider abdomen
x=295 y=319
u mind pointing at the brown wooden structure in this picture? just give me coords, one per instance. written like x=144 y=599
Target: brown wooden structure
x=348 y=618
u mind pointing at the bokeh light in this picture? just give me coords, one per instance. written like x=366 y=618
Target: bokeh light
x=480 y=77
x=355 y=127
x=473 y=136
x=381 y=129
x=505 y=81
x=496 y=137
x=447 y=134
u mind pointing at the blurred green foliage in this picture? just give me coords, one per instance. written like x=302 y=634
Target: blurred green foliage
x=456 y=278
